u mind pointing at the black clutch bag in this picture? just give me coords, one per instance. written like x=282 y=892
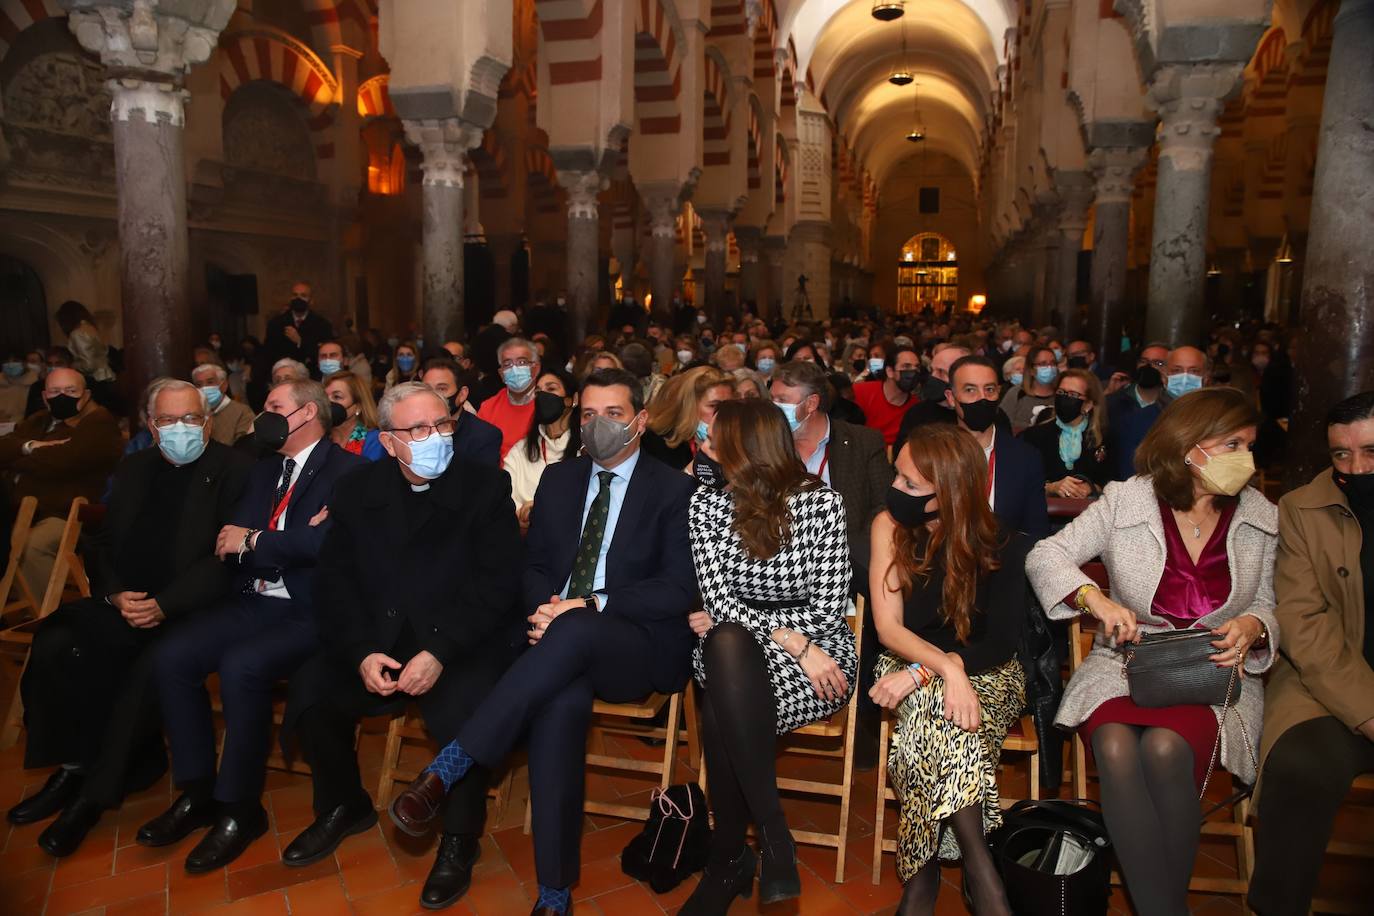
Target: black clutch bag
x=1173 y=669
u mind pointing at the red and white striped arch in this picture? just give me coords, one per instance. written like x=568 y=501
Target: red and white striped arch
x=572 y=47
x=764 y=35
x=326 y=18
x=728 y=18
x=779 y=171
x=267 y=54
x=543 y=179
x=374 y=100
x=658 y=77
x=1266 y=93
x=755 y=144
x=716 y=119
x=489 y=160
x=18 y=15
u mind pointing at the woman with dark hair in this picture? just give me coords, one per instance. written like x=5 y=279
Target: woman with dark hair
x=775 y=652
x=949 y=604
x=90 y=353
x=1188 y=544
x=805 y=350
x=1024 y=404
x=552 y=437
x=405 y=364
x=1072 y=438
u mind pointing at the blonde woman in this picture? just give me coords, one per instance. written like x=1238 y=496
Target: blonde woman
x=354 y=415
x=681 y=414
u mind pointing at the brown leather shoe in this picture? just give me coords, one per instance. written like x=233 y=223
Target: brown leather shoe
x=414 y=808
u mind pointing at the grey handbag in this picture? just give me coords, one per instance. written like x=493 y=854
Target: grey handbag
x=1173 y=668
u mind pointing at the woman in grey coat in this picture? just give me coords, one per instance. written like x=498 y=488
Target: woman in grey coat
x=1186 y=544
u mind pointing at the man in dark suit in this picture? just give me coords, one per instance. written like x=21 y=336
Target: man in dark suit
x=1018 y=474
x=90 y=704
x=609 y=583
x=414 y=601
x=474 y=439
x=253 y=639
x=296 y=333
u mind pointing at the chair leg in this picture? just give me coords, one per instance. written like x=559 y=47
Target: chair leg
x=1245 y=842
x=693 y=729
x=879 y=816
x=1034 y=767
x=14 y=718
x=847 y=785
x=1080 y=767
x=391 y=756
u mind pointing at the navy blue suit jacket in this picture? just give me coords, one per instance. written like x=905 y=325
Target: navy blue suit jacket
x=1019 y=487
x=650 y=579
x=290 y=554
x=477 y=441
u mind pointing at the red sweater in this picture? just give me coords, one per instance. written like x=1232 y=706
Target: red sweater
x=880 y=413
x=513 y=420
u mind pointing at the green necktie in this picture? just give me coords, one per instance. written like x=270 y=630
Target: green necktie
x=583 y=579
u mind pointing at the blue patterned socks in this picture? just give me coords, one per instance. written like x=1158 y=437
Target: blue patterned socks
x=451 y=765
x=555 y=898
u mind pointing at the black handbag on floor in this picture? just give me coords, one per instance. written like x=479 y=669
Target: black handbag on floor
x=1174 y=668
x=1053 y=858
x=674 y=841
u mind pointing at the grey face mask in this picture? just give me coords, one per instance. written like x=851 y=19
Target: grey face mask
x=604 y=438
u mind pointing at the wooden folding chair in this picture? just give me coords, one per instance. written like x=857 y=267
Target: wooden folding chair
x=17 y=600
x=409 y=726
x=275 y=759
x=1351 y=849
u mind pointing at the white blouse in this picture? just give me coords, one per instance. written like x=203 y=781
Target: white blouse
x=524 y=473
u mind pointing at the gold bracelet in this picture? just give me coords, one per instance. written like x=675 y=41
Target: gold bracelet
x=1080 y=596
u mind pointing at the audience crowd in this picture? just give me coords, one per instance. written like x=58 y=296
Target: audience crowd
x=504 y=529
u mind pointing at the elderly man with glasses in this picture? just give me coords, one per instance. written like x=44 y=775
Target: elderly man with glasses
x=417 y=603
x=512 y=409
x=233 y=419
x=90 y=703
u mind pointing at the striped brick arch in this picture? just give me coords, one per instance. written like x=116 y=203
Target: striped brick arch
x=728 y=18
x=543 y=179
x=779 y=172
x=18 y=15
x=374 y=100
x=716 y=119
x=489 y=160
x=755 y=144
x=764 y=34
x=266 y=54
x=658 y=77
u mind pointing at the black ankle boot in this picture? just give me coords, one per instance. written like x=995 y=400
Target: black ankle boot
x=778 y=878
x=721 y=884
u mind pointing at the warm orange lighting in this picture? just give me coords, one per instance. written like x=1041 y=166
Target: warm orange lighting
x=976 y=303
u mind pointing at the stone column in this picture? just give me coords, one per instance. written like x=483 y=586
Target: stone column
x=750 y=240
x=147 y=55
x=503 y=247
x=584 y=248
x=1045 y=249
x=1336 y=356
x=1076 y=195
x=808 y=253
x=1189 y=99
x=1113 y=171
x=663 y=211
x=774 y=253
x=444 y=144
x=715 y=225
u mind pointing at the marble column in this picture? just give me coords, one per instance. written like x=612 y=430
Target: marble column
x=1076 y=196
x=147 y=54
x=715 y=226
x=584 y=248
x=774 y=254
x=808 y=254
x=1045 y=246
x=1113 y=171
x=444 y=145
x=1189 y=99
x=663 y=211
x=750 y=240
x=1336 y=347
x=503 y=247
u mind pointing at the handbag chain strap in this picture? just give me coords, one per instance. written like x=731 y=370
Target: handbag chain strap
x=1227 y=708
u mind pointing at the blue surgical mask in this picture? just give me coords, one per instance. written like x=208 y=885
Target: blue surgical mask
x=1017 y=378
x=1046 y=375
x=430 y=458
x=790 y=412
x=765 y=365
x=181 y=443
x=1181 y=383
x=876 y=365
x=330 y=366
x=1058 y=354
x=213 y=396
x=405 y=362
x=702 y=430
x=13 y=370
x=517 y=378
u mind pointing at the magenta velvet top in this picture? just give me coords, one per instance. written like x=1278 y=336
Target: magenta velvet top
x=1189 y=591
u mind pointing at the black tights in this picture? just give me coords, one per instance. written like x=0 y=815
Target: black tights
x=739 y=724
x=981 y=878
x=1150 y=803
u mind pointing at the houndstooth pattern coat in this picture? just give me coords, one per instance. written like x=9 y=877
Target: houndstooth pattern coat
x=813 y=569
x=1126 y=530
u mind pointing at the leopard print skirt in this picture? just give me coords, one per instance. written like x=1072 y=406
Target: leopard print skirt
x=937 y=768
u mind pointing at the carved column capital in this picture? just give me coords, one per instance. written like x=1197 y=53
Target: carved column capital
x=444 y=144
x=750 y=241
x=1075 y=190
x=663 y=213
x=715 y=225
x=1189 y=99
x=583 y=188
x=1114 y=170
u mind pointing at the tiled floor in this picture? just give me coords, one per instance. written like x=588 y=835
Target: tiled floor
x=380 y=871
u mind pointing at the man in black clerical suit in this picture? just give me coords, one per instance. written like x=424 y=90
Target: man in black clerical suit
x=415 y=601
x=90 y=703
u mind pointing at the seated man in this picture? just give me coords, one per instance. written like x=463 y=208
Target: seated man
x=609 y=581
x=289 y=370
x=934 y=406
x=90 y=705
x=885 y=402
x=331 y=357
x=253 y=639
x=1144 y=396
x=474 y=439
x=56 y=455
x=1319 y=702
x=233 y=419
x=429 y=619
x=512 y=409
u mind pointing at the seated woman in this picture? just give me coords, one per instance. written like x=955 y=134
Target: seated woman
x=948 y=586
x=550 y=439
x=1187 y=544
x=1319 y=704
x=353 y=414
x=405 y=364
x=763 y=357
x=775 y=653
x=682 y=411
x=1072 y=442
x=1023 y=404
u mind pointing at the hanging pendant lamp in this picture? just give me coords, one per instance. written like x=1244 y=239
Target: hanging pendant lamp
x=901 y=76
x=918 y=132
x=888 y=10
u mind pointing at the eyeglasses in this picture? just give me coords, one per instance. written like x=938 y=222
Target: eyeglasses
x=422 y=431
x=162 y=421
x=1070 y=394
x=1157 y=363
x=508 y=363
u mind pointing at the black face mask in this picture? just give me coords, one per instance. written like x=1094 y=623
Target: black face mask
x=453 y=406
x=708 y=471
x=63 y=406
x=271 y=430
x=979 y=415
x=858 y=364
x=934 y=389
x=299 y=306
x=548 y=407
x=1358 y=489
x=907 y=379
x=1078 y=362
x=1067 y=409
x=910 y=511
x=1148 y=377
x=338 y=414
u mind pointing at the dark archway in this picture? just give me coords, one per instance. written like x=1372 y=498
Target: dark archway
x=23 y=307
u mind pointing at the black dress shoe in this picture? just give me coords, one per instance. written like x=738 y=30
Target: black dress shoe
x=225 y=842
x=721 y=884
x=452 y=872
x=322 y=837
x=60 y=789
x=778 y=876
x=64 y=835
x=550 y=911
x=178 y=822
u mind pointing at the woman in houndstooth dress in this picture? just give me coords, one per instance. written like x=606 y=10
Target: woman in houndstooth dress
x=775 y=653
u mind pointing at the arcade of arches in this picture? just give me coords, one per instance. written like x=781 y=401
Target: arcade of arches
x=1140 y=166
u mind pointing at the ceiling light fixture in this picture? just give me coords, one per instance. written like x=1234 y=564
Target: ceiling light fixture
x=1285 y=255
x=901 y=76
x=918 y=131
x=888 y=10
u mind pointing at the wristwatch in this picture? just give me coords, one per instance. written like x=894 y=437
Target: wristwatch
x=592 y=603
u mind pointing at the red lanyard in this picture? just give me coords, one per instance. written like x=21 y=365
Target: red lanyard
x=992 y=469
x=825 y=459
x=280 y=508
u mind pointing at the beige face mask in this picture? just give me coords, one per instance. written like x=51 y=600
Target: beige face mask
x=1228 y=473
